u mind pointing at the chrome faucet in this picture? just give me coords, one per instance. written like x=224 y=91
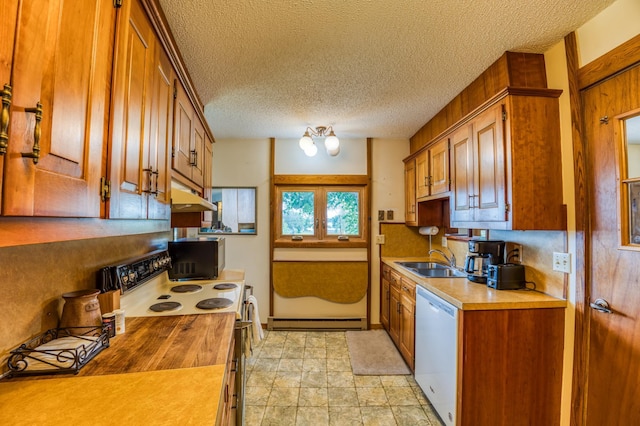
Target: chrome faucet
x=451 y=260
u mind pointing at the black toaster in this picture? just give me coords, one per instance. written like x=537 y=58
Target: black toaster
x=507 y=276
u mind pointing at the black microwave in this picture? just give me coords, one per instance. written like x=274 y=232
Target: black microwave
x=200 y=258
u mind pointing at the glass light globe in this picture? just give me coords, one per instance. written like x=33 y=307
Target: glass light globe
x=311 y=150
x=331 y=143
x=305 y=141
x=334 y=152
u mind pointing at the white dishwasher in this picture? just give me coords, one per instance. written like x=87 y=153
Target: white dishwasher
x=436 y=352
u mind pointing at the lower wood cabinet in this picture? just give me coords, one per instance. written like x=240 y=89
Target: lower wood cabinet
x=228 y=402
x=510 y=367
x=397 y=311
x=406 y=338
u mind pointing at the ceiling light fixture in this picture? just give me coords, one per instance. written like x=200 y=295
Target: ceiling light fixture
x=331 y=141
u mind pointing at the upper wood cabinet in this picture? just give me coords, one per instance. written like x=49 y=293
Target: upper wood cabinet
x=506 y=165
x=141 y=119
x=58 y=93
x=410 y=192
x=432 y=170
x=479 y=170
x=189 y=140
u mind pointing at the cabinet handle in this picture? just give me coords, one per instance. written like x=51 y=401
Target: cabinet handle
x=194 y=158
x=35 y=151
x=153 y=189
x=4 y=119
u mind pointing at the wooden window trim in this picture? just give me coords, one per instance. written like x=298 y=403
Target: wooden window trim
x=320 y=184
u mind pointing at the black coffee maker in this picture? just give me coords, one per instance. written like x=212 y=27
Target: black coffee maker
x=483 y=253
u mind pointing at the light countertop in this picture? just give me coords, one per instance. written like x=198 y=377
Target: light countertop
x=467 y=295
x=161 y=397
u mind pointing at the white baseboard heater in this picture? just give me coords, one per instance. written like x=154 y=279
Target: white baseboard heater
x=330 y=324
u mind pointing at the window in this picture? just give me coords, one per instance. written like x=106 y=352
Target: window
x=236 y=211
x=630 y=179
x=320 y=215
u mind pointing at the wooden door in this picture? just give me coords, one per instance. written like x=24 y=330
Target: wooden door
x=489 y=167
x=462 y=175
x=161 y=136
x=62 y=61
x=131 y=113
x=410 y=192
x=183 y=154
x=612 y=375
x=439 y=167
x=422 y=174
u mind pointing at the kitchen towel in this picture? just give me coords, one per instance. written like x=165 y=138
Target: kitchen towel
x=256 y=329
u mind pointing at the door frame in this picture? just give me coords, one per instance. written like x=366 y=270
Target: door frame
x=609 y=64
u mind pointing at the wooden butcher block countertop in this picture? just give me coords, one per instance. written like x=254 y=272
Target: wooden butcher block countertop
x=468 y=296
x=163 y=370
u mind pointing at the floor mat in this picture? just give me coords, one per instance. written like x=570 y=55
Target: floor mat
x=373 y=353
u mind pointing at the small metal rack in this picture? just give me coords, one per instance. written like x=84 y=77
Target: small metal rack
x=58 y=351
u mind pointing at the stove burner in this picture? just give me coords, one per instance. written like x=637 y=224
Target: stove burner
x=165 y=306
x=186 y=288
x=225 y=286
x=214 y=303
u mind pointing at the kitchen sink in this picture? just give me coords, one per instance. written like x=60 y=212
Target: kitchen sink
x=432 y=269
x=423 y=265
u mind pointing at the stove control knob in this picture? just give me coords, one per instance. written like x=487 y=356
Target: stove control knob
x=132 y=276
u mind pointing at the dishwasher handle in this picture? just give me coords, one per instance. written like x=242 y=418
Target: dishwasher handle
x=436 y=303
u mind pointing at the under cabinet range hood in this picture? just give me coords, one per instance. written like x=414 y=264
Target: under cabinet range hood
x=183 y=201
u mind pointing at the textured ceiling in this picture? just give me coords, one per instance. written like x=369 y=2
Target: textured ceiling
x=369 y=68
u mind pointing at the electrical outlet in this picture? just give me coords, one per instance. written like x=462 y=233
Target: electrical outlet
x=562 y=262
x=380 y=239
x=380 y=214
x=444 y=242
x=514 y=253
x=389 y=214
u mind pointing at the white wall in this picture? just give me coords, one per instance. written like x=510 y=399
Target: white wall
x=609 y=29
x=612 y=27
x=246 y=163
x=387 y=193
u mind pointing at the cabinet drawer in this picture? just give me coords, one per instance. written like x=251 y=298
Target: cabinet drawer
x=408 y=288
x=395 y=278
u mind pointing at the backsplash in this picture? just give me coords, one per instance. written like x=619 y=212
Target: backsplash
x=34 y=277
x=538 y=248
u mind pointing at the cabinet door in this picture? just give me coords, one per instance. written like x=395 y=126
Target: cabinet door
x=385 y=294
x=198 y=146
x=439 y=167
x=410 y=192
x=407 y=328
x=462 y=175
x=8 y=20
x=489 y=170
x=131 y=113
x=183 y=153
x=159 y=184
x=208 y=177
x=62 y=61
x=394 y=314
x=422 y=175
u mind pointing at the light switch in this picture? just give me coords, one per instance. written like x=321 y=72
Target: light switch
x=389 y=214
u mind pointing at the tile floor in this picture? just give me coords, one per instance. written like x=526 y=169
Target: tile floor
x=305 y=378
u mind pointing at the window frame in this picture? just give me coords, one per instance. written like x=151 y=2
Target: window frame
x=320 y=188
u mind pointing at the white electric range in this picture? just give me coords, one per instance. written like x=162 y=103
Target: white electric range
x=162 y=297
